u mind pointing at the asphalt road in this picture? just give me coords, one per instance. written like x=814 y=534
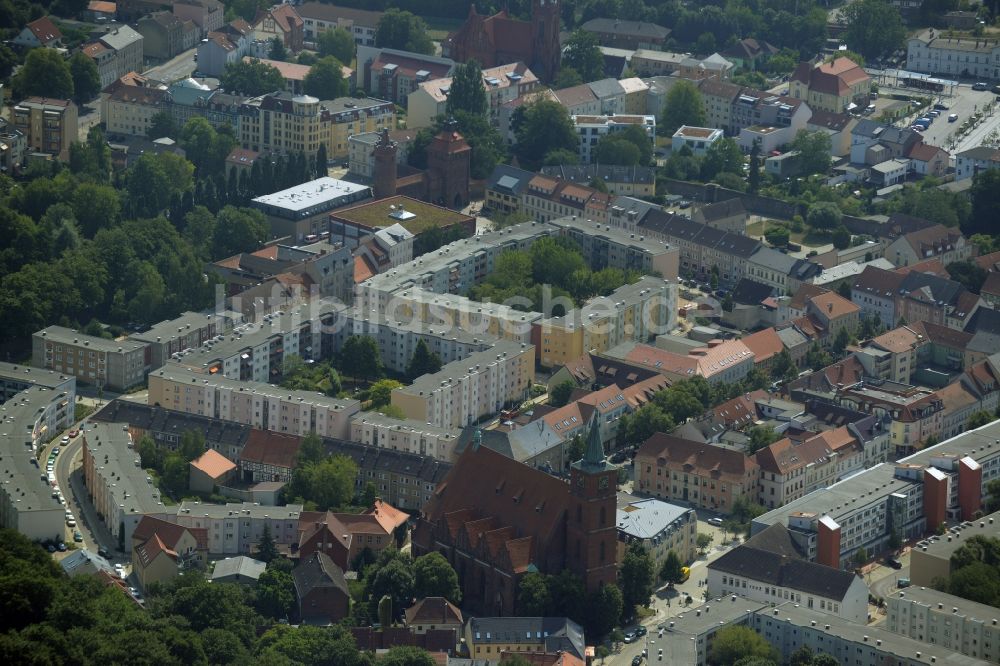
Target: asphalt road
x=179 y=67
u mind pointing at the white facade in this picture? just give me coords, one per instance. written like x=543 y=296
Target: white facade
x=502 y=84
x=374 y=429
x=697 y=139
x=946 y=620
x=966 y=56
x=590 y=130
x=970 y=162
x=235 y=529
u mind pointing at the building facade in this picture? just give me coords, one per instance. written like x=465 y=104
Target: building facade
x=49 y=125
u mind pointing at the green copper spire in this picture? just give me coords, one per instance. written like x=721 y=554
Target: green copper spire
x=594 y=453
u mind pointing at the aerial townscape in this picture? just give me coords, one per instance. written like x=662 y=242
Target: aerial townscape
x=506 y=333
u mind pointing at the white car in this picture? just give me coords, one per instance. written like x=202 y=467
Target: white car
x=717 y=522
x=64 y=440
x=70 y=523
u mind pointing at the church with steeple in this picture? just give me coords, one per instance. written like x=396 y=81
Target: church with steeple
x=496 y=520
x=501 y=39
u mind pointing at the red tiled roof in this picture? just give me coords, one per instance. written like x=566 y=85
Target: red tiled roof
x=213 y=464
x=988 y=262
x=388 y=516
x=271 y=448
x=933 y=266
x=764 y=344
x=148 y=526
x=362 y=269
x=992 y=284
x=679 y=453
x=44 y=30
x=152 y=549
x=433 y=610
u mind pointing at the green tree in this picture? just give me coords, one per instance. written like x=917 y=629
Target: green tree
x=402 y=30
x=824 y=215
x=277 y=50
x=567 y=78
x=777 y=236
x=274 y=594
x=703 y=541
x=560 y=393
x=423 y=361
x=612 y=149
x=433 y=576
x=192 y=445
x=533 y=597
x=405 y=655
x=841 y=340
x=582 y=53
x=576 y=448
x=545 y=127
x=45 y=73
x=395 y=579
x=175 y=473
x=985 y=193
x=817 y=358
x=642 y=424
x=860 y=557
x=328 y=484
x=760 y=436
x=238 y=230
x=736 y=642
x=814 y=151
x=96 y=207
x=467 y=92
x=360 y=357
x=160 y=125
x=325 y=79
x=251 y=78
x=754 y=175
x=979 y=419
x=380 y=393
x=337 y=43
x=671 y=572
x=841 y=238
x=993 y=495
x=604 y=610
x=86 y=80
x=723 y=156
x=682 y=106
x=311 y=450
x=968 y=273
x=635 y=577
x=266 y=549
x=154 y=180
x=874 y=28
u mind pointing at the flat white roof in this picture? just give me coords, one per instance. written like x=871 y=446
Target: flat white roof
x=310 y=194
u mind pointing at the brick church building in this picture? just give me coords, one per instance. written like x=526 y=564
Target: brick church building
x=445 y=181
x=499 y=39
x=496 y=519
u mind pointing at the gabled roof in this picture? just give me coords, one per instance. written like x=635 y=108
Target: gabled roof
x=878 y=282
x=683 y=453
x=833 y=306
x=576 y=95
x=748 y=292
x=318 y=572
x=615 y=26
x=784 y=571
x=270 y=448
x=433 y=610
x=213 y=464
x=169 y=533
x=831 y=78
x=44 y=30
x=989 y=262
x=764 y=344
x=331 y=13
x=241 y=565
x=152 y=548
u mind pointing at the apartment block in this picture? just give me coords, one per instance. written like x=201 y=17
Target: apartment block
x=30 y=419
x=660 y=527
x=392 y=75
x=49 y=125
x=16 y=378
x=282 y=122
x=611 y=247
x=130 y=109
x=236 y=528
x=941 y=619
x=121 y=491
x=590 y=130
x=547 y=198
x=465 y=391
x=190 y=330
x=965 y=56
x=417 y=437
x=320 y=17
x=502 y=84
x=254 y=403
x=116 y=365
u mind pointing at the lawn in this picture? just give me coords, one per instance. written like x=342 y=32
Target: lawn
x=439 y=26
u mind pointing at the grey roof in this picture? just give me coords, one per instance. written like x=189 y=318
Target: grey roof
x=28 y=376
x=603 y=88
x=509 y=179
x=121 y=37
x=319 y=571
x=678 y=226
x=186 y=322
x=944 y=546
x=250 y=509
x=84 y=561
x=312 y=194
x=777 y=568
x=748 y=292
x=791 y=337
x=584 y=173
x=521 y=444
x=984 y=153
x=648 y=518
x=69 y=336
x=157 y=420
x=956 y=606
x=240 y=565
x=116 y=458
x=454 y=371
x=620 y=27
x=941 y=289
x=514 y=630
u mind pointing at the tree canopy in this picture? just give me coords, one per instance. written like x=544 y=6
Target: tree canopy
x=338 y=43
x=398 y=29
x=544 y=127
x=45 y=73
x=467 y=92
x=251 y=78
x=874 y=28
x=682 y=106
x=582 y=53
x=325 y=79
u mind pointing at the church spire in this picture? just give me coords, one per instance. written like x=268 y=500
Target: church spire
x=593 y=454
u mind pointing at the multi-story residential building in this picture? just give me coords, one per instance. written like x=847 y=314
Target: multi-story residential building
x=303 y=210
x=930 y=559
x=319 y=17
x=941 y=619
x=769 y=569
x=281 y=22
x=130 y=109
x=725 y=361
x=720 y=98
x=873 y=142
x=16 y=378
x=892 y=355
x=208 y=15
x=116 y=365
x=188 y=98
x=488 y=636
x=696 y=139
x=970 y=162
x=165 y=35
x=874 y=291
x=660 y=527
x=417 y=437
x=965 y=56
x=128 y=48
x=935 y=242
x=632 y=181
x=938 y=483
x=913 y=296
x=629 y=35
x=188 y=331
x=916 y=413
x=236 y=528
x=774 y=122
x=393 y=75
x=632 y=312
x=464 y=391
x=579 y=100
x=225 y=46
x=161 y=549
x=119 y=488
x=12 y=148
x=547 y=198
x=49 y=125
x=703 y=475
x=254 y=403
x=30 y=419
x=502 y=84
x=790 y=469
x=590 y=130
x=650 y=63
x=836 y=86
x=282 y=122
x=610 y=247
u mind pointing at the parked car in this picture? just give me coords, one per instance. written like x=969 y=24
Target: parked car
x=979 y=85
x=941 y=106
x=953 y=117
x=717 y=522
x=50 y=548
x=640 y=631
x=636 y=660
x=55 y=452
x=77 y=537
x=64 y=440
x=903 y=582
x=894 y=563
x=70 y=523
x=61 y=547
x=630 y=636
x=74 y=432
x=103 y=553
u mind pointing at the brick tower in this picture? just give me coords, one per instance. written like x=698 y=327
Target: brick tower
x=384 y=177
x=448 y=163
x=591 y=535
x=545 y=40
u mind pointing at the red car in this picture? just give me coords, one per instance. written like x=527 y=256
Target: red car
x=73 y=433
